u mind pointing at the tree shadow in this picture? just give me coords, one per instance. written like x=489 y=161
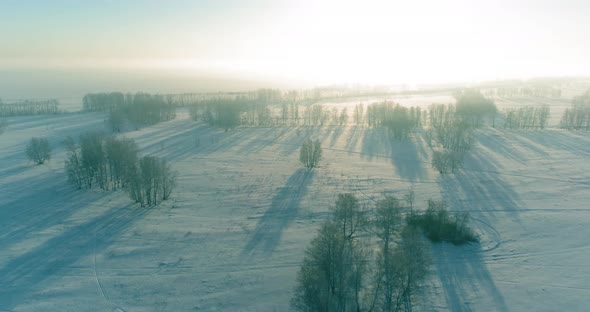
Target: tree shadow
x=283 y=209
x=257 y=139
x=407 y=156
x=575 y=143
x=291 y=142
x=464 y=275
x=22 y=275
x=353 y=137
x=497 y=142
x=480 y=188
x=41 y=205
x=336 y=133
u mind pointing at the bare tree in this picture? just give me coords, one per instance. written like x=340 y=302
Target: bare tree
x=73 y=164
x=318 y=281
x=93 y=159
x=168 y=180
x=385 y=226
x=38 y=150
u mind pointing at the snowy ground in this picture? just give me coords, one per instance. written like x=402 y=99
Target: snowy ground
x=233 y=235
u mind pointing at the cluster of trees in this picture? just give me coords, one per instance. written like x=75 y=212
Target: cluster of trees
x=224 y=113
x=151 y=181
x=341 y=273
x=473 y=108
x=315 y=115
x=400 y=121
x=111 y=163
x=528 y=117
x=577 y=117
x=29 y=107
x=38 y=150
x=139 y=109
x=451 y=137
x=452 y=128
x=310 y=153
x=229 y=113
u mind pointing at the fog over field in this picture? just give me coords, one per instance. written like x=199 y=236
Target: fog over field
x=278 y=155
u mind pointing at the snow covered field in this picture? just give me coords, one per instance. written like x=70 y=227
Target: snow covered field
x=233 y=234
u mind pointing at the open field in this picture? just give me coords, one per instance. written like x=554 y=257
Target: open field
x=233 y=234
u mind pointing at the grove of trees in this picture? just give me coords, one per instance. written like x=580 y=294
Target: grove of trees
x=29 y=107
x=341 y=273
x=112 y=164
x=373 y=259
x=473 y=108
x=140 y=109
x=400 y=121
x=450 y=136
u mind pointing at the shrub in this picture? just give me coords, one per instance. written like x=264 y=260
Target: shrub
x=38 y=150
x=439 y=226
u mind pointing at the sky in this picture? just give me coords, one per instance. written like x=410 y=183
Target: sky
x=227 y=44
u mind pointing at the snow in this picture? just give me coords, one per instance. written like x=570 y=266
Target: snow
x=233 y=234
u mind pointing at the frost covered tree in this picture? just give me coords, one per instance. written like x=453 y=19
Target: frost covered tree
x=310 y=153
x=73 y=164
x=339 y=274
x=121 y=157
x=385 y=225
x=151 y=181
x=93 y=159
x=38 y=150
x=328 y=280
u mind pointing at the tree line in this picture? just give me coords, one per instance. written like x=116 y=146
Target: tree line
x=112 y=163
x=528 y=117
x=29 y=107
x=535 y=91
x=229 y=113
x=140 y=109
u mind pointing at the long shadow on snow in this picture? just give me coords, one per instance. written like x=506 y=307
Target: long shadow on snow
x=23 y=275
x=497 y=142
x=45 y=202
x=574 y=142
x=336 y=133
x=353 y=137
x=256 y=139
x=480 y=188
x=292 y=140
x=282 y=211
x=463 y=273
x=408 y=157
x=53 y=122
x=484 y=194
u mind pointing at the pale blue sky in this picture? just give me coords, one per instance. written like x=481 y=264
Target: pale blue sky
x=311 y=41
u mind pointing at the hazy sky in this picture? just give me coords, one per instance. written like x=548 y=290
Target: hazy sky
x=309 y=41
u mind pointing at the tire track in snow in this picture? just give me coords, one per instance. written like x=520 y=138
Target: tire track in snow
x=102 y=290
